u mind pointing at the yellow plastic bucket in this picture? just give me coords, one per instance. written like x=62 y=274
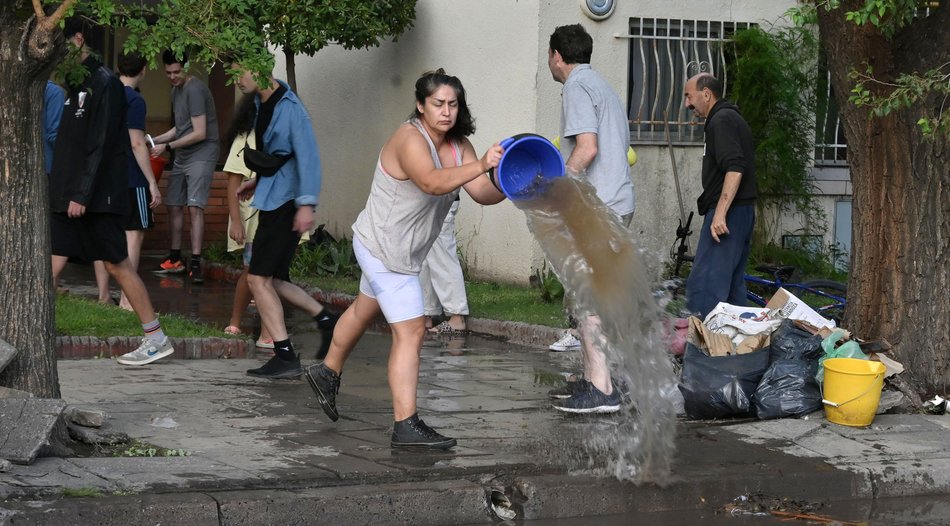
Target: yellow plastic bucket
x=852 y=390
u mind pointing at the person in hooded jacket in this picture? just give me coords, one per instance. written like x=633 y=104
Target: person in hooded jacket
x=727 y=202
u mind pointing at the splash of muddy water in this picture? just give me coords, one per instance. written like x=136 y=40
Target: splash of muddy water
x=599 y=264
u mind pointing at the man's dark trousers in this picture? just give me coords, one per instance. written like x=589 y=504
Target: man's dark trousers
x=718 y=268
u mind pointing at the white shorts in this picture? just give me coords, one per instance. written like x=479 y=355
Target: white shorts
x=399 y=295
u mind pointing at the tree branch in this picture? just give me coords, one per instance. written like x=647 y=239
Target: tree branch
x=38 y=9
x=47 y=23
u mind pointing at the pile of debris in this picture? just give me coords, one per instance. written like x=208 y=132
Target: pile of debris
x=768 y=362
x=32 y=427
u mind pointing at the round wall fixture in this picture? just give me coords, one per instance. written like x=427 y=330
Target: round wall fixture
x=598 y=9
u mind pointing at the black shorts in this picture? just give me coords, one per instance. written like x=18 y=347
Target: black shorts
x=140 y=215
x=275 y=242
x=92 y=237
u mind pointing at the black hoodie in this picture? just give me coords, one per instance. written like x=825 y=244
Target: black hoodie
x=729 y=148
x=90 y=159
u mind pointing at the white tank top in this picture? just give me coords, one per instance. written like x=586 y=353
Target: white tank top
x=400 y=222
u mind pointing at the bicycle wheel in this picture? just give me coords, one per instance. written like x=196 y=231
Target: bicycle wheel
x=822 y=295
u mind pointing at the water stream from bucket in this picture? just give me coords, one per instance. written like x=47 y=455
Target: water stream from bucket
x=599 y=264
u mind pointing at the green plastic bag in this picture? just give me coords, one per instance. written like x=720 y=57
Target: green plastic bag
x=848 y=349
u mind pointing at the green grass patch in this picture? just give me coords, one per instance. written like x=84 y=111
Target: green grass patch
x=332 y=268
x=81 y=492
x=809 y=264
x=509 y=302
x=77 y=316
x=142 y=449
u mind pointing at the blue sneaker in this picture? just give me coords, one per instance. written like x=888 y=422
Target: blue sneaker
x=590 y=400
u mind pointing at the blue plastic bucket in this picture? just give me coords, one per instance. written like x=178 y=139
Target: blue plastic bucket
x=528 y=162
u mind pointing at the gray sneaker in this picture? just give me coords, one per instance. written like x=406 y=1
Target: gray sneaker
x=147 y=353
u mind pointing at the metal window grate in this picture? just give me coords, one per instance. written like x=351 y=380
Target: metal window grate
x=664 y=53
x=831 y=149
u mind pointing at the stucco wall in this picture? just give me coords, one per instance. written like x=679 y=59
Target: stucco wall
x=498 y=48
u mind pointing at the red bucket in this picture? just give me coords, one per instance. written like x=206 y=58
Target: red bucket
x=158 y=166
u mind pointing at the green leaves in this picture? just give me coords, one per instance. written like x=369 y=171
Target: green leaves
x=929 y=92
x=774 y=84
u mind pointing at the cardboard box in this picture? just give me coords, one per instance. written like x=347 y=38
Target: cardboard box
x=784 y=304
x=715 y=344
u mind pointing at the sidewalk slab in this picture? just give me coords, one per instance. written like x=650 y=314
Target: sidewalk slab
x=262 y=451
x=26 y=425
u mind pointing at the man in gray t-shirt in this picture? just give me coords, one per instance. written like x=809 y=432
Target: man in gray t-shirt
x=194 y=139
x=594 y=139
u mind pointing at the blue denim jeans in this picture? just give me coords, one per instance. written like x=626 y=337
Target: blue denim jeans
x=718 y=268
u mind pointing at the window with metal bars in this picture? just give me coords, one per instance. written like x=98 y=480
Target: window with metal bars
x=664 y=53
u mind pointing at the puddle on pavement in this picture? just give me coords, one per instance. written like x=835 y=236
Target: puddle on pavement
x=599 y=264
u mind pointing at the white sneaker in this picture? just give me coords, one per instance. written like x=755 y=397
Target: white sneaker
x=568 y=342
x=147 y=353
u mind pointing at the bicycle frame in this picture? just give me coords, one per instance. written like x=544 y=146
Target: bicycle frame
x=838 y=302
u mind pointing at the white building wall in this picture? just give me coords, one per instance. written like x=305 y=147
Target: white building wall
x=498 y=48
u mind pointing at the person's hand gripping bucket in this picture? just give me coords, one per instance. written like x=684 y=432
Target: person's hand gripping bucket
x=158 y=162
x=529 y=163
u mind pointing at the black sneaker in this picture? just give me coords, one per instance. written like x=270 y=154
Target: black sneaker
x=326 y=385
x=567 y=390
x=591 y=400
x=326 y=327
x=195 y=274
x=278 y=369
x=414 y=433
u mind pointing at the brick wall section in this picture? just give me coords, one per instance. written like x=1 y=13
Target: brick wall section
x=216 y=218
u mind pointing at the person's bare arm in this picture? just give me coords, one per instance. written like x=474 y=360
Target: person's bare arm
x=140 y=153
x=236 y=230
x=413 y=160
x=729 y=188
x=584 y=152
x=481 y=189
x=198 y=133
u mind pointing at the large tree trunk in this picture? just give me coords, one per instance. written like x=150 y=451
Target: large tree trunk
x=900 y=261
x=26 y=315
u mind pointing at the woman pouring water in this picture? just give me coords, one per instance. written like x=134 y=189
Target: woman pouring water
x=420 y=171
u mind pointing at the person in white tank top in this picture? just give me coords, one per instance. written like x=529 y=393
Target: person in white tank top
x=420 y=171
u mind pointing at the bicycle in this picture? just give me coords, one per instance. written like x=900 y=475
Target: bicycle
x=828 y=298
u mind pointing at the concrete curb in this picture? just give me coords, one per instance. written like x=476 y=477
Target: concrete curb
x=84 y=347
x=432 y=502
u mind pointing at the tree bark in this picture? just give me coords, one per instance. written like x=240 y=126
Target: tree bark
x=291 y=69
x=27 y=53
x=900 y=260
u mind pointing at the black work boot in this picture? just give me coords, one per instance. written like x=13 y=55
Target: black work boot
x=326 y=322
x=414 y=433
x=278 y=369
x=326 y=385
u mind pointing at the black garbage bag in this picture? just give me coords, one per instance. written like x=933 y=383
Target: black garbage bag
x=719 y=386
x=787 y=389
x=789 y=342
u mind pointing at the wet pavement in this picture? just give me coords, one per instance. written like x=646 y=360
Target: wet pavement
x=262 y=452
